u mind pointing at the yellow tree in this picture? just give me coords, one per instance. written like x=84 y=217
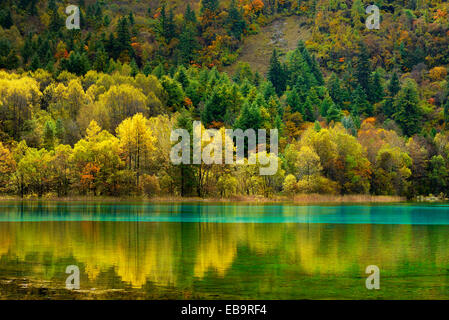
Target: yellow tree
x=7 y=166
x=62 y=168
x=137 y=143
x=97 y=160
x=121 y=102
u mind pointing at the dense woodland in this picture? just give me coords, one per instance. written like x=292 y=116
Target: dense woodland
x=90 y=111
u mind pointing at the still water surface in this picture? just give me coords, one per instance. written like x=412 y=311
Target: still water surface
x=223 y=251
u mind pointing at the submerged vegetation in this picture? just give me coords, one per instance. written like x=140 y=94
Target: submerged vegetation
x=90 y=111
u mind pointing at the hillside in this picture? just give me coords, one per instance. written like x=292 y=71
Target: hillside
x=282 y=34
x=90 y=111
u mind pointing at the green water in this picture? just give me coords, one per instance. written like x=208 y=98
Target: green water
x=223 y=251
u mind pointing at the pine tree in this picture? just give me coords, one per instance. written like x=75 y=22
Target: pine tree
x=35 y=63
x=394 y=85
x=388 y=107
x=56 y=22
x=159 y=71
x=211 y=5
x=326 y=105
x=360 y=104
x=308 y=111
x=189 y=15
x=188 y=44
x=250 y=117
x=52 y=5
x=147 y=68
x=49 y=135
x=335 y=90
x=236 y=23
x=363 y=69
x=277 y=74
x=166 y=24
x=408 y=114
x=123 y=41
x=376 y=92
x=6 y=21
x=215 y=107
x=134 y=68
x=60 y=130
x=333 y=114
x=131 y=18
x=181 y=77
x=294 y=101
x=311 y=62
x=101 y=62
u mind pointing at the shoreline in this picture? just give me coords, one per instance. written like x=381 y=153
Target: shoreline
x=297 y=199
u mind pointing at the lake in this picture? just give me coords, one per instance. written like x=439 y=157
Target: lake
x=144 y=250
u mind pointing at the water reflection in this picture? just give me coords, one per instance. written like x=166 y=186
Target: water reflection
x=224 y=260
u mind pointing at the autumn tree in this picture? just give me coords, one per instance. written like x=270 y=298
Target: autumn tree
x=136 y=143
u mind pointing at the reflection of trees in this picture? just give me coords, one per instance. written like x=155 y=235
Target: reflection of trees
x=175 y=254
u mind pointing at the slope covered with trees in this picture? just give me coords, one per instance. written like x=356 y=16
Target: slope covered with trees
x=90 y=111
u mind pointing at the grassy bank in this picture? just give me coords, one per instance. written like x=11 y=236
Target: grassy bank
x=301 y=198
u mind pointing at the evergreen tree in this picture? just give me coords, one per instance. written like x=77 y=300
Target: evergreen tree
x=215 y=107
x=311 y=62
x=236 y=23
x=35 y=63
x=52 y=5
x=189 y=15
x=277 y=74
x=49 y=135
x=56 y=22
x=408 y=114
x=388 y=107
x=294 y=101
x=131 y=18
x=360 y=104
x=376 y=90
x=27 y=50
x=308 y=111
x=363 y=69
x=333 y=114
x=394 y=85
x=250 y=117
x=101 y=62
x=325 y=106
x=147 y=68
x=123 y=41
x=134 y=68
x=188 y=44
x=211 y=5
x=159 y=71
x=166 y=24
x=438 y=174
x=181 y=77
x=6 y=21
x=348 y=123
x=336 y=92
x=60 y=130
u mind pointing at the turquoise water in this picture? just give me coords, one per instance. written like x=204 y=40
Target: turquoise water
x=223 y=251
x=228 y=213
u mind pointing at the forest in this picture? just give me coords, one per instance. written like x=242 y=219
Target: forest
x=90 y=111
